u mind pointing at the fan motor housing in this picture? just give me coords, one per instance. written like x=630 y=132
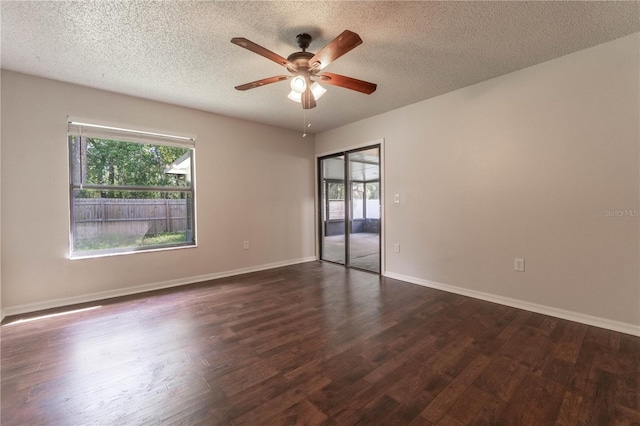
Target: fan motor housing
x=300 y=59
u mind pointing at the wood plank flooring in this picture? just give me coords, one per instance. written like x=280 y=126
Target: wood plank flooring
x=314 y=344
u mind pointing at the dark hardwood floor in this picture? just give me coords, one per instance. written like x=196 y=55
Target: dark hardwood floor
x=314 y=344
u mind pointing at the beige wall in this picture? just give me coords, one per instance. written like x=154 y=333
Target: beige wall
x=524 y=165
x=1 y=311
x=254 y=182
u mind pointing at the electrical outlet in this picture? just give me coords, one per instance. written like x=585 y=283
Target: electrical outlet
x=397 y=248
x=518 y=264
x=245 y=246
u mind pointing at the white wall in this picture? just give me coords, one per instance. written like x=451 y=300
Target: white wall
x=523 y=165
x=254 y=182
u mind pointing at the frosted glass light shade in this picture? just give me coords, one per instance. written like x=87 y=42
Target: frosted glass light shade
x=295 y=96
x=316 y=89
x=298 y=84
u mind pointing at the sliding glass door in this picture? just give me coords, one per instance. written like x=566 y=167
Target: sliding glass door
x=364 y=225
x=333 y=247
x=349 y=228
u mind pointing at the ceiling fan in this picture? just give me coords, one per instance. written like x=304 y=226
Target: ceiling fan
x=305 y=68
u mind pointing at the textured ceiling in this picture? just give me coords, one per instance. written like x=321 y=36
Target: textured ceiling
x=180 y=52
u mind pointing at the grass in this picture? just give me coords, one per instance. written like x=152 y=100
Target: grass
x=166 y=238
x=119 y=241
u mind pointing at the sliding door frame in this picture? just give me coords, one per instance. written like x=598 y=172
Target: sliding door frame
x=348 y=205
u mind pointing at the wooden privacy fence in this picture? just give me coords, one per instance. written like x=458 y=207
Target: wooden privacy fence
x=98 y=217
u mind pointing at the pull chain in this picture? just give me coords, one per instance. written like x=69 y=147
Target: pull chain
x=304 y=124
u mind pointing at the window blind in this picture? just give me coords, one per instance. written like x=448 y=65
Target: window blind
x=76 y=128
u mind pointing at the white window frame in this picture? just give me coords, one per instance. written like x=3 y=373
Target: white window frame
x=84 y=128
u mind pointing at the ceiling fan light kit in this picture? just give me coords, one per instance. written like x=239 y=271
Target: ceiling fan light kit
x=296 y=93
x=305 y=68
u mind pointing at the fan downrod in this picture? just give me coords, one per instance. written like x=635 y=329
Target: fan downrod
x=303 y=40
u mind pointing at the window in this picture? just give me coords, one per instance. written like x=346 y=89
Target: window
x=372 y=189
x=357 y=200
x=335 y=191
x=129 y=190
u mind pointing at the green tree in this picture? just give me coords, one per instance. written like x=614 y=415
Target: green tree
x=373 y=192
x=109 y=162
x=336 y=191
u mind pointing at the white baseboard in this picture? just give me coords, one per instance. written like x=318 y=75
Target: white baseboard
x=622 y=327
x=608 y=324
x=93 y=297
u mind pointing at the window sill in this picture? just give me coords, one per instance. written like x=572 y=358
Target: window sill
x=94 y=255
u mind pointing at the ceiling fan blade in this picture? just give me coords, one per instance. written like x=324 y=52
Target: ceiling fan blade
x=336 y=48
x=256 y=48
x=262 y=82
x=348 y=82
x=308 y=100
